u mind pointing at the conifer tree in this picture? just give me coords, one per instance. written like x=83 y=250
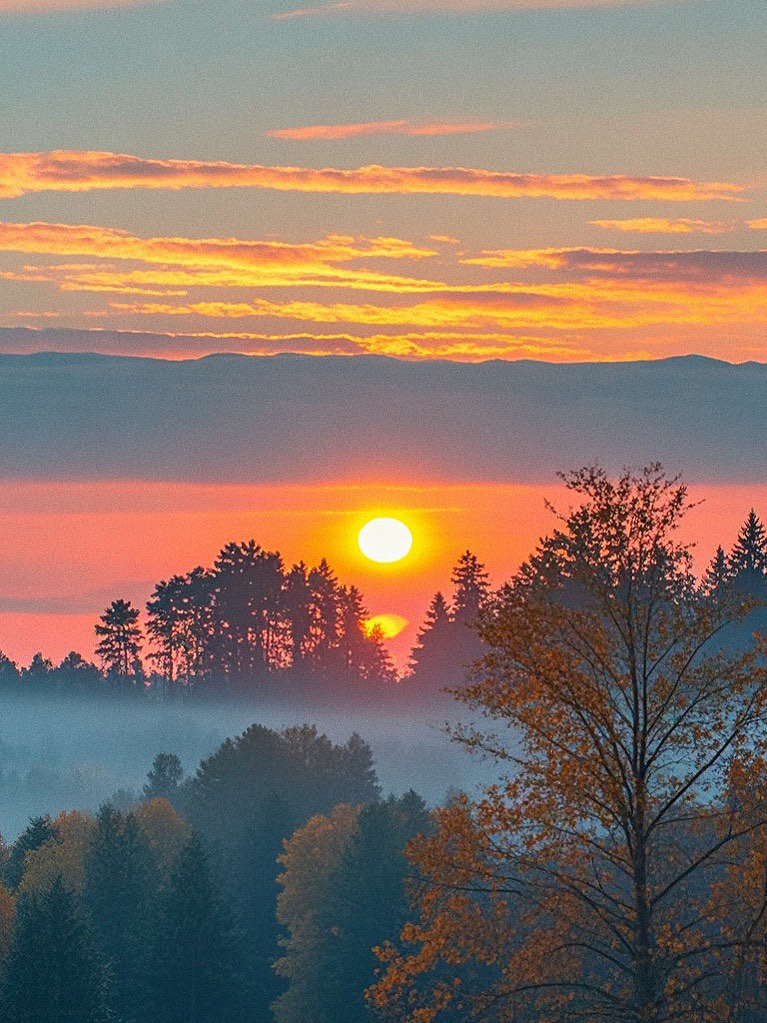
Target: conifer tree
x=194 y=975
x=749 y=555
x=164 y=778
x=54 y=974
x=472 y=588
x=433 y=658
x=37 y=833
x=366 y=905
x=717 y=573
x=119 y=892
x=120 y=644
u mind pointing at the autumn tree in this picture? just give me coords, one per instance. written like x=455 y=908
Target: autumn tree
x=309 y=859
x=39 y=831
x=582 y=884
x=119 y=645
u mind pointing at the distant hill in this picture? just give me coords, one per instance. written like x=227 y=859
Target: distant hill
x=289 y=417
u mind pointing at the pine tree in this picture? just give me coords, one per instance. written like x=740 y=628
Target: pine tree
x=472 y=588
x=717 y=573
x=432 y=659
x=749 y=555
x=54 y=974
x=120 y=645
x=194 y=975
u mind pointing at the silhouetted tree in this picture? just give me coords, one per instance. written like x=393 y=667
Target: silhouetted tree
x=248 y=610
x=37 y=833
x=749 y=555
x=164 y=778
x=195 y=975
x=298 y=608
x=433 y=657
x=472 y=589
x=54 y=974
x=120 y=644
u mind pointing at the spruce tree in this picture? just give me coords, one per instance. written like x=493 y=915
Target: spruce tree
x=194 y=976
x=120 y=888
x=749 y=555
x=54 y=974
x=432 y=660
x=39 y=831
x=472 y=588
x=717 y=573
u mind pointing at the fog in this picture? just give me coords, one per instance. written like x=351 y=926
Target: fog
x=74 y=752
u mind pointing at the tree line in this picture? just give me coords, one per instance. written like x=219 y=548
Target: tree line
x=249 y=625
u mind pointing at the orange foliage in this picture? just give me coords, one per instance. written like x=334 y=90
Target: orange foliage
x=164 y=829
x=598 y=879
x=63 y=856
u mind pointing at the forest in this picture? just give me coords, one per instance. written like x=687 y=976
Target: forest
x=247 y=627
x=613 y=869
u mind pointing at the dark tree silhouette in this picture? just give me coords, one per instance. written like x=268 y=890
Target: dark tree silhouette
x=248 y=610
x=54 y=974
x=717 y=573
x=472 y=588
x=194 y=974
x=164 y=778
x=432 y=658
x=120 y=644
x=749 y=555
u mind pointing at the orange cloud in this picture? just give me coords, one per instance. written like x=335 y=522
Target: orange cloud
x=403 y=127
x=757 y=225
x=662 y=225
x=313 y=12
x=74 y=171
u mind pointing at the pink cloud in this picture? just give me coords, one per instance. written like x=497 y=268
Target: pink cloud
x=401 y=127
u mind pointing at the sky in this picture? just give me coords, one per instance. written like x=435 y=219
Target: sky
x=559 y=180
x=555 y=179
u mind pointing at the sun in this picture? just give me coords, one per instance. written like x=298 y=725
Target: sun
x=385 y=540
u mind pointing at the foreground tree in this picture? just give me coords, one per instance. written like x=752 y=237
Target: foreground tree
x=193 y=975
x=591 y=882
x=54 y=972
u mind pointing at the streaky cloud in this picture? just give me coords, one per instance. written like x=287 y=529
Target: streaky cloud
x=85 y=171
x=415 y=7
x=331 y=132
